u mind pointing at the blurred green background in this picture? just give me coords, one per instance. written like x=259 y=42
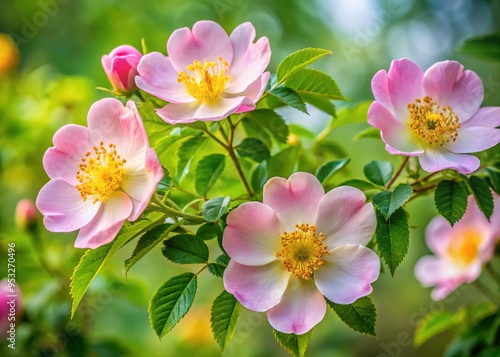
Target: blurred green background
x=54 y=82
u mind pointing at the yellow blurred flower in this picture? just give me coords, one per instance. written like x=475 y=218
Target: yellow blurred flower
x=9 y=54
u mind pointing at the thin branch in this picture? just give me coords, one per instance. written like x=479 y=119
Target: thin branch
x=396 y=175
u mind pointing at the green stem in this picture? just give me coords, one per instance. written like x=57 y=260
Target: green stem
x=486 y=292
x=203 y=268
x=176 y=213
x=396 y=175
x=39 y=248
x=236 y=163
x=425 y=178
x=220 y=142
x=493 y=273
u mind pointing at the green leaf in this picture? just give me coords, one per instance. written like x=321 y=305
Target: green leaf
x=451 y=200
x=207 y=172
x=213 y=209
x=330 y=168
x=360 y=315
x=482 y=194
x=485 y=47
x=368 y=133
x=171 y=302
x=322 y=103
x=494 y=175
x=219 y=265
x=347 y=116
x=94 y=259
x=433 y=324
x=253 y=149
x=379 y=172
x=387 y=202
x=208 y=231
x=290 y=97
x=314 y=82
x=296 y=345
x=147 y=242
x=298 y=60
x=185 y=249
x=360 y=184
x=224 y=318
x=393 y=238
x=165 y=183
x=283 y=163
x=185 y=153
x=259 y=177
x=267 y=121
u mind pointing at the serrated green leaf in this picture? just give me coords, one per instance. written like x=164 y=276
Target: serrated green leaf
x=208 y=231
x=298 y=60
x=253 y=149
x=494 y=175
x=185 y=249
x=313 y=82
x=267 y=122
x=368 y=133
x=387 y=202
x=283 y=163
x=360 y=184
x=94 y=259
x=290 y=97
x=259 y=177
x=483 y=195
x=393 y=238
x=379 y=172
x=322 y=103
x=214 y=208
x=171 y=302
x=165 y=183
x=219 y=265
x=432 y=325
x=451 y=200
x=361 y=315
x=224 y=318
x=328 y=169
x=185 y=153
x=296 y=345
x=485 y=47
x=147 y=242
x=347 y=116
x=207 y=172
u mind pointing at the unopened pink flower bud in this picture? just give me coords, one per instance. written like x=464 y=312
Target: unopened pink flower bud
x=26 y=215
x=121 y=67
x=10 y=307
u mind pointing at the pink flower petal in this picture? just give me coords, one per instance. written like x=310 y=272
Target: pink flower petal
x=63 y=207
x=495 y=218
x=437 y=159
x=252 y=234
x=448 y=84
x=258 y=288
x=71 y=143
x=249 y=60
x=179 y=113
x=106 y=224
x=344 y=218
x=254 y=91
x=443 y=290
x=487 y=117
x=347 y=273
x=474 y=139
x=399 y=137
x=140 y=182
x=431 y=271
x=437 y=235
x=301 y=308
x=208 y=40
x=380 y=89
x=222 y=108
x=405 y=85
x=295 y=200
x=159 y=78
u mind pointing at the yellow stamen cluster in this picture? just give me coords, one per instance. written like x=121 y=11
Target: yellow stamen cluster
x=207 y=80
x=100 y=173
x=434 y=124
x=464 y=246
x=302 y=251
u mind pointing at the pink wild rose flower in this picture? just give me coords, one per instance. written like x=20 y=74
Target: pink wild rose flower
x=459 y=251
x=433 y=115
x=99 y=176
x=297 y=246
x=207 y=75
x=121 y=68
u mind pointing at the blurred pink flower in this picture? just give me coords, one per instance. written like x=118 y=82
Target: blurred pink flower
x=121 y=67
x=297 y=246
x=433 y=115
x=207 y=75
x=10 y=306
x=460 y=251
x=100 y=175
x=26 y=215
